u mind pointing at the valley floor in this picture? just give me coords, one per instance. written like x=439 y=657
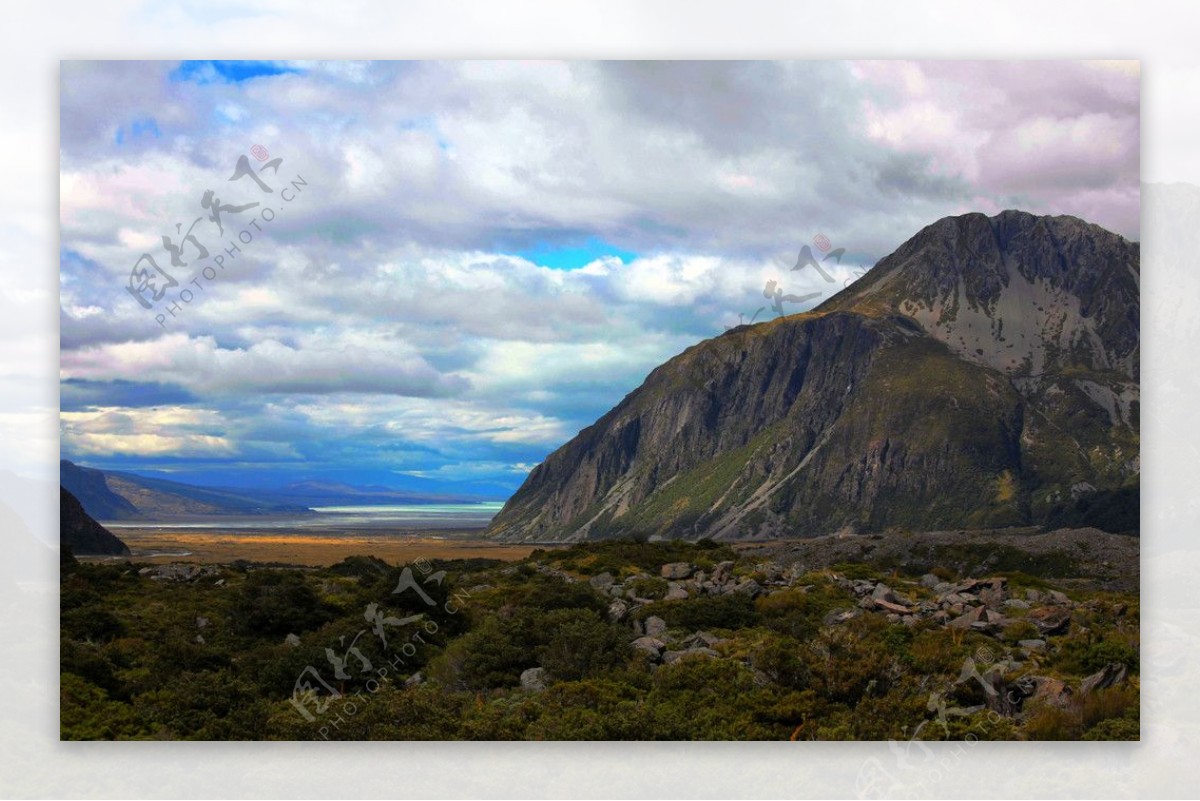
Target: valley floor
x=163 y=545
x=954 y=635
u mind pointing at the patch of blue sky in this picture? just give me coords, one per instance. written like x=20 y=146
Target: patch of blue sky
x=212 y=71
x=573 y=256
x=141 y=128
x=426 y=125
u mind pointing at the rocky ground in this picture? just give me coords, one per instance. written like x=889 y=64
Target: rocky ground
x=1089 y=559
x=1084 y=557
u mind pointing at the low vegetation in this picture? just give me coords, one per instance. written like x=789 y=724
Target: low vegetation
x=589 y=642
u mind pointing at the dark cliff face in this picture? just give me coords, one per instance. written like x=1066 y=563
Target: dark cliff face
x=982 y=375
x=81 y=533
x=90 y=488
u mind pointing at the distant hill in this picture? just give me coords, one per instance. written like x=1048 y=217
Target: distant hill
x=83 y=535
x=90 y=488
x=117 y=495
x=112 y=495
x=983 y=375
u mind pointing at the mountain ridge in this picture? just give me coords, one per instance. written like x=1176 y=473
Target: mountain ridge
x=895 y=404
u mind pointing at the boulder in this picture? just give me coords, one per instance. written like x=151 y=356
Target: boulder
x=419 y=678
x=839 y=616
x=1110 y=675
x=617 y=610
x=722 y=572
x=602 y=582
x=882 y=592
x=930 y=581
x=1016 y=603
x=533 y=679
x=1051 y=620
x=898 y=609
x=701 y=639
x=650 y=645
x=675 y=593
x=291 y=641
x=1059 y=598
x=655 y=626
x=678 y=570
x=1032 y=645
x=748 y=587
x=976 y=614
x=1051 y=691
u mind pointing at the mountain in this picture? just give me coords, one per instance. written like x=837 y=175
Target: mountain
x=91 y=489
x=83 y=535
x=112 y=495
x=983 y=375
x=116 y=495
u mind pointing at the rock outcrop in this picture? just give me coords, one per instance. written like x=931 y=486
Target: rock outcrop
x=82 y=534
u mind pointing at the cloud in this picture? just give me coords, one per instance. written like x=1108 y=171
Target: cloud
x=483 y=257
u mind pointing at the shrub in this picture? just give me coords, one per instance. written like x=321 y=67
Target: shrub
x=581 y=645
x=276 y=603
x=734 y=611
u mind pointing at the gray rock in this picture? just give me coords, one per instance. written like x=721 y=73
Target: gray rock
x=976 y=614
x=882 y=592
x=602 y=582
x=748 y=587
x=650 y=645
x=617 y=590
x=419 y=678
x=201 y=622
x=675 y=593
x=617 y=610
x=292 y=640
x=533 y=679
x=677 y=570
x=1016 y=603
x=930 y=581
x=1059 y=598
x=722 y=572
x=655 y=626
x=840 y=616
x=1110 y=675
x=1051 y=620
x=1033 y=645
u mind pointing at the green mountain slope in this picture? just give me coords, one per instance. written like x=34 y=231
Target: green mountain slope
x=983 y=375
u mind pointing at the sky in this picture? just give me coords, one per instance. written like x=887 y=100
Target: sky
x=429 y=275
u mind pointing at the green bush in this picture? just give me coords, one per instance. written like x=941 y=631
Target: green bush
x=277 y=603
x=581 y=645
x=733 y=611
